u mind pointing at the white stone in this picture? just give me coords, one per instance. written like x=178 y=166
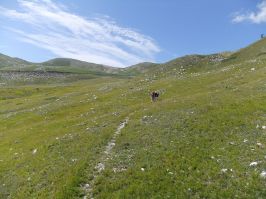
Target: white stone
x=100 y=167
x=263 y=174
x=87 y=186
x=252 y=164
x=259 y=144
x=224 y=170
x=34 y=151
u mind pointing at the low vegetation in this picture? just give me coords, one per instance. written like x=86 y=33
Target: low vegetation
x=204 y=138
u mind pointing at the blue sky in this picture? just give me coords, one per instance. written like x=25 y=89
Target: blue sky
x=122 y=33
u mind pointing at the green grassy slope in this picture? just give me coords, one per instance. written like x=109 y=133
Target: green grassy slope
x=140 y=68
x=253 y=52
x=11 y=62
x=56 y=65
x=197 y=141
x=76 y=66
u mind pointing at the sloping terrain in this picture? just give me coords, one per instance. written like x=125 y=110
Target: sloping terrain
x=10 y=62
x=76 y=66
x=140 y=68
x=204 y=138
x=63 y=65
x=253 y=52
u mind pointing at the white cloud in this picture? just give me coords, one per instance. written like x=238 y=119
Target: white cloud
x=254 y=17
x=98 y=40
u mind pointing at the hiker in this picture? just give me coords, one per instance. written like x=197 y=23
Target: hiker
x=154 y=95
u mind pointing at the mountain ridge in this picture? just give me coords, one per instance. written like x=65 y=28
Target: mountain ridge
x=254 y=50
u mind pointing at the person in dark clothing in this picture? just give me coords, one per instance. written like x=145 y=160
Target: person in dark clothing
x=154 y=96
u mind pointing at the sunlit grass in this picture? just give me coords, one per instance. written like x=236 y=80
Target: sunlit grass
x=189 y=144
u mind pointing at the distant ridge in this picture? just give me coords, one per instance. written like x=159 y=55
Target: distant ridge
x=77 y=65
x=6 y=61
x=256 y=50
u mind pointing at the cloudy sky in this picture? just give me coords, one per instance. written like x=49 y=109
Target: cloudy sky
x=122 y=33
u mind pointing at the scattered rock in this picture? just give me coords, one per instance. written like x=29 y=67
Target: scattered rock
x=94 y=97
x=224 y=170
x=34 y=151
x=253 y=164
x=105 y=157
x=263 y=174
x=142 y=169
x=146 y=118
x=117 y=170
x=30 y=76
x=259 y=144
x=86 y=186
x=115 y=113
x=100 y=167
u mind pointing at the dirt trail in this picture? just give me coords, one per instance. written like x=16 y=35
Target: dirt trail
x=106 y=155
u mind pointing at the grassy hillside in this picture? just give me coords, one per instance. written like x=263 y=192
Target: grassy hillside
x=204 y=138
x=12 y=62
x=63 y=65
x=255 y=51
x=140 y=68
x=76 y=66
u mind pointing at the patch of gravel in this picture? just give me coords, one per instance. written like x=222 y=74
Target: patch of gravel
x=30 y=76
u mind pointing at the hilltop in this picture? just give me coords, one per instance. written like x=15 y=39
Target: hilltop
x=76 y=66
x=55 y=65
x=67 y=65
x=256 y=51
x=10 y=62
